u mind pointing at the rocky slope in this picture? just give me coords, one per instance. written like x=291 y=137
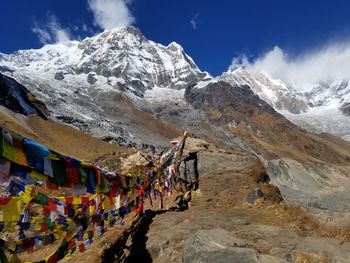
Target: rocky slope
x=317 y=107
x=308 y=168
x=56 y=136
x=219 y=228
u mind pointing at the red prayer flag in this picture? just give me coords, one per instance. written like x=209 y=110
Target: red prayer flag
x=84 y=199
x=69 y=200
x=4 y=200
x=81 y=248
x=52 y=205
x=71 y=244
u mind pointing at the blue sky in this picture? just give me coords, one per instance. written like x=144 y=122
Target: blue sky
x=211 y=32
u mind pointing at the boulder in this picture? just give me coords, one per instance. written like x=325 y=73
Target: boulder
x=271 y=193
x=91 y=79
x=59 y=76
x=268 y=192
x=135 y=164
x=194 y=145
x=254 y=195
x=187 y=170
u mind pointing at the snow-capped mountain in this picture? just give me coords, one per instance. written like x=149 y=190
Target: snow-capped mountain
x=122 y=56
x=80 y=82
x=274 y=92
x=323 y=108
x=327 y=93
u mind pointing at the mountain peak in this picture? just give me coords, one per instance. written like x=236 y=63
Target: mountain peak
x=274 y=92
x=175 y=47
x=123 y=31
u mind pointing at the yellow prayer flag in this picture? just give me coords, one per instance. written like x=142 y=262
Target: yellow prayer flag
x=39 y=176
x=12 y=210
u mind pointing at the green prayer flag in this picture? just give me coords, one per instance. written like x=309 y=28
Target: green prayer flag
x=62 y=250
x=59 y=172
x=83 y=176
x=41 y=199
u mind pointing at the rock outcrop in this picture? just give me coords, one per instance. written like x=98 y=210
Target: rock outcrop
x=17 y=98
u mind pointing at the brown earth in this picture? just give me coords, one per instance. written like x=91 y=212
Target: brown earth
x=276 y=137
x=58 y=137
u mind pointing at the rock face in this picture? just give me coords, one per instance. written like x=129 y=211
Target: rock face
x=219 y=98
x=345 y=108
x=188 y=171
x=91 y=79
x=59 y=76
x=18 y=99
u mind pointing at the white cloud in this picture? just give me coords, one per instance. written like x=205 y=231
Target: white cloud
x=43 y=35
x=109 y=14
x=329 y=63
x=194 y=21
x=51 y=31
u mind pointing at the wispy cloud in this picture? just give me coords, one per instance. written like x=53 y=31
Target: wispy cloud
x=195 y=20
x=107 y=14
x=329 y=63
x=111 y=13
x=50 y=31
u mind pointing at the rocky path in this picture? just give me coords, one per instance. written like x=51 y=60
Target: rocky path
x=220 y=226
